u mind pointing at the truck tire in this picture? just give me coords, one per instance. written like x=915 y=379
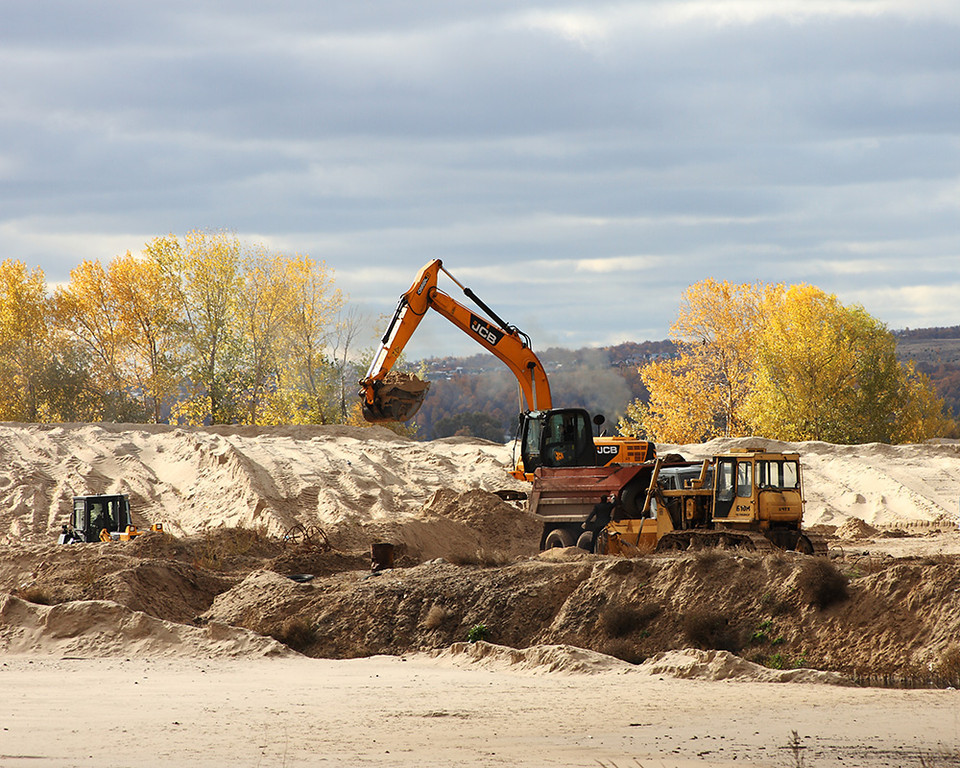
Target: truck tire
x=558 y=537
x=586 y=541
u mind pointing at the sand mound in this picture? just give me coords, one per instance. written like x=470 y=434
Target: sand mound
x=96 y=628
x=343 y=478
x=693 y=664
x=192 y=480
x=855 y=528
x=535 y=660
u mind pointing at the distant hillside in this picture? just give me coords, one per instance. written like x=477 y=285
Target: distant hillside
x=936 y=351
x=478 y=396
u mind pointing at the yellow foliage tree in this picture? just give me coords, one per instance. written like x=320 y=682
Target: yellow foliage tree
x=23 y=337
x=306 y=391
x=151 y=327
x=206 y=275
x=824 y=372
x=88 y=319
x=702 y=393
x=791 y=364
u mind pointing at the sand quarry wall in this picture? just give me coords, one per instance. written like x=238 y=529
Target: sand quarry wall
x=193 y=480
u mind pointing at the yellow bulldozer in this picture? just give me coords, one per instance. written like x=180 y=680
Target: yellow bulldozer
x=751 y=499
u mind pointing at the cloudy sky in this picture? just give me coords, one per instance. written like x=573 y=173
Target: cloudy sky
x=577 y=164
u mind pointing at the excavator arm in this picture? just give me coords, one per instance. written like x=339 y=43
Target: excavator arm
x=397 y=398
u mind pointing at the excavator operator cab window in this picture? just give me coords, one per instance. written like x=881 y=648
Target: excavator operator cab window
x=559 y=438
x=531 y=429
x=567 y=439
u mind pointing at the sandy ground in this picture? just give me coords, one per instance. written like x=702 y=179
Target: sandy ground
x=418 y=711
x=152 y=691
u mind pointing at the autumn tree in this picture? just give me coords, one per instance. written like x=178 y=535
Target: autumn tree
x=150 y=327
x=702 y=392
x=255 y=329
x=826 y=371
x=791 y=364
x=307 y=387
x=23 y=337
x=206 y=277
x=90 y=330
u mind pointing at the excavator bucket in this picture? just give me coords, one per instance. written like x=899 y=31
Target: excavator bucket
x=396 y=398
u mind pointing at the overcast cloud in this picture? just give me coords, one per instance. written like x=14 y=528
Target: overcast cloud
x=578 y=165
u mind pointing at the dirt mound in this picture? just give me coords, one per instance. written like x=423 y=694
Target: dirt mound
x=535 y=660
x=782 y=611
x=855 y=528
x=96 y=628
x=693 y=664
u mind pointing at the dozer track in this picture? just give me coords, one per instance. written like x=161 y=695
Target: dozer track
x=747 y=541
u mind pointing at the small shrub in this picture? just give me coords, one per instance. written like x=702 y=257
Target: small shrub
x=296 y=633
x=621 y=620
x=796 y=747
x=710 y=631
x=435 y=616
x=477 y=633
x=624 y=650
x=822 y=583
x=760 y=634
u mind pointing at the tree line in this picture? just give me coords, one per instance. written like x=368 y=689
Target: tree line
x=202 y=329
x=206 y=329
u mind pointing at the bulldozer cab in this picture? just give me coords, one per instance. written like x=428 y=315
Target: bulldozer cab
x=755 y=486
x=561 y=437
x=93 y=514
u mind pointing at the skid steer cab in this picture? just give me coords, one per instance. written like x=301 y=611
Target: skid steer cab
x=101 y=518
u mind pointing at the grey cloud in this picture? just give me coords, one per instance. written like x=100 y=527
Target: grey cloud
x=387 y=133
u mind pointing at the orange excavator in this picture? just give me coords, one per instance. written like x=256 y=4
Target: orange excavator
x=549 y=437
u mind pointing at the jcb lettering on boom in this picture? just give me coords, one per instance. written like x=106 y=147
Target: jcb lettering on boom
x=485 y=331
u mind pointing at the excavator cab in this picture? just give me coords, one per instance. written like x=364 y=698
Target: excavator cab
x=560 y=437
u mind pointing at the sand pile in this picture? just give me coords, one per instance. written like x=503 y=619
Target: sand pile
x=535 y=660
x=342 y=478
x=685 y=664
x=694 y=664
x=855 y=528
x=97 y=628
x=192 y=479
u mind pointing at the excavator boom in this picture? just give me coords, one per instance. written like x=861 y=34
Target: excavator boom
x=387 y=396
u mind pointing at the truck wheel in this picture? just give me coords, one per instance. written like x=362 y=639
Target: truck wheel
x=558 y=537
x=586 y=541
